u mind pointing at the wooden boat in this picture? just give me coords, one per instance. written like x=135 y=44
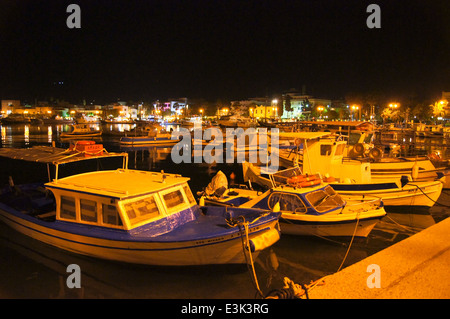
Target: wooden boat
x=324 y=154
x=417 y=168
x=311 y=209
x=150 y=134
x=157 y=138
x=398 y=192
x=136 y=217
x=81 y=131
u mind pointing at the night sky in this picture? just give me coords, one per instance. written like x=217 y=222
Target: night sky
x=145 y=49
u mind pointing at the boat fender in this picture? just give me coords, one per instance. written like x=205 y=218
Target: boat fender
x=434 y=157
x=273 y=260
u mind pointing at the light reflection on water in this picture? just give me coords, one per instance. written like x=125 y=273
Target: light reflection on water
x=30 y=269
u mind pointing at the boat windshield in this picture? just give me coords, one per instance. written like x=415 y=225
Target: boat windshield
x=325 y=199
x=141 y=210
x=281 y=177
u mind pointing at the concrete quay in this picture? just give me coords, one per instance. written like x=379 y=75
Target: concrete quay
x=416 y=268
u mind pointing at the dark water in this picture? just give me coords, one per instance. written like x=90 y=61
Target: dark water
x=30 y=269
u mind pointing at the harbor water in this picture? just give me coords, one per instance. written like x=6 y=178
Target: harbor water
x=30 y=269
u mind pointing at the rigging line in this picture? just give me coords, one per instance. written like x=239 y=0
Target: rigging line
x=434 y=201
x=245 y=248
x=351 y=242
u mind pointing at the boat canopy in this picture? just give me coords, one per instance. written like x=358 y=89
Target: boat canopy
x=56 y=156
x=303 y=135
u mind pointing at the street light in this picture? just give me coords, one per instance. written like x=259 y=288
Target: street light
x=320 y=110
x=393 y=105
x=354 y=108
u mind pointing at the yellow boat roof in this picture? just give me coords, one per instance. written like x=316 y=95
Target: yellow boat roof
x=303 y=135
x=120 y=183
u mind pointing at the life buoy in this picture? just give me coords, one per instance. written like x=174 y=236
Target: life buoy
x=304 y=180
x=375 y=153
x=358 y=149
x=300 y=178
x=85 y=142
x=309 y=183
x=434 y=157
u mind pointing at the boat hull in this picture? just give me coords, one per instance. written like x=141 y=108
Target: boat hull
x=146 y=140
x=327 y=227
x=415 y=194
x=223 y=249
x=87 y=135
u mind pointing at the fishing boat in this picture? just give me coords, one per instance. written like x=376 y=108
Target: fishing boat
x=81 y=131
x=397 y=192
x=324 y=153
x=332 y=150
x=157 y=138
x=151 y=134
x=136 y=217
x=308 y=206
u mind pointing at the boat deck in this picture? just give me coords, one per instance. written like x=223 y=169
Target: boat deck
x=415 y=268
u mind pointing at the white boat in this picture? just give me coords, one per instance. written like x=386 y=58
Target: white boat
x=157 y=138
x=323 y=153
x=398 y=192
x=309 y=210
x=151 y=134
x=416 y=168
x=136 y=217
x=235 y=121
x=81 y=131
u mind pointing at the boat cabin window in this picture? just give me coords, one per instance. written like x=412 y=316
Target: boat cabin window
x=173 y=199
x=331 y=192
x=326 y=199
x=288 y=202
x=325 y=150
x=142 y=209
x=88 y=209
x=111 y=215
x=68 y=210
x=368 y=138
x=189 y=195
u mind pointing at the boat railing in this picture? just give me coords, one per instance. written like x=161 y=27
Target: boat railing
x=281 y=178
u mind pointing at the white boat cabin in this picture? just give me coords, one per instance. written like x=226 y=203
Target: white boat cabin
x=123 y=199
x=324 y=153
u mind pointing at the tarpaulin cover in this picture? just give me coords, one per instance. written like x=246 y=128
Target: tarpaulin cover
x=218 y=185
